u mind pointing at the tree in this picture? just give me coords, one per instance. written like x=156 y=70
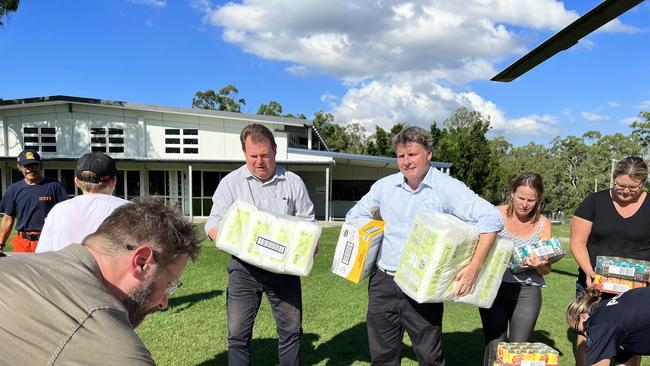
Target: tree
x=464 y=144
x=224 y=100
x=275 y=109
x=336 y=136
x=379 y=143
x=498 y=180
x=6 y=7
x=641 y=130
x=436 y=134
x=357 y=137
x=272 y=109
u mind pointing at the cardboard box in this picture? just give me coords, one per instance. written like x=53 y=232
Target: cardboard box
x=357 y=249
x=629 y=269
x=614 y=285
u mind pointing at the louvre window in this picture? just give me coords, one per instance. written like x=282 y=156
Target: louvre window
x=186 y=145
x=107 y=139
x=40 y=138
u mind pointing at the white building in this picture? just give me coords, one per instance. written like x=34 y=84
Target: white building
x=179 y=154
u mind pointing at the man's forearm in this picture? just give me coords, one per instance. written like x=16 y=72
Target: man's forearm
x=6 y=226
x=485 y=242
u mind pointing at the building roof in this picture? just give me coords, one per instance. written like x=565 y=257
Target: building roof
x=65 y=99
x=345 y=158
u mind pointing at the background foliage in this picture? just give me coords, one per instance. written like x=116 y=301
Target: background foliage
x=572 y=166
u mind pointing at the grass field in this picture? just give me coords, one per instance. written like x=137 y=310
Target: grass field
x=193 y=331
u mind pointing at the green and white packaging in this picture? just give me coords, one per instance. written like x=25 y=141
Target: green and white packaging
x=277 y=243
x=438 y=246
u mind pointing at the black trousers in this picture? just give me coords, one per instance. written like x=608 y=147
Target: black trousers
x=390 y=313
x=246 y=283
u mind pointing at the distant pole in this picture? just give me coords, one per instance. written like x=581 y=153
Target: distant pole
x=595 y=184
x=611 y=175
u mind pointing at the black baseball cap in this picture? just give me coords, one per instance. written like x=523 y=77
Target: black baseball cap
x=27 y=157
x=95 y=167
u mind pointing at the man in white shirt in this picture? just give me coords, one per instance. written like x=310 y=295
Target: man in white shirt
x=72 y=220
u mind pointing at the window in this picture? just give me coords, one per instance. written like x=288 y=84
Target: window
x=66 y=177
x=169 y=185
x=350 y=190
x=204 y=184
x=131 y=180
x=181 y=140
x=40 y=138
x=107 y=140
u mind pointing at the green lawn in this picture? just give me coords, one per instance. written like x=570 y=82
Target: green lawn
x=193 y=331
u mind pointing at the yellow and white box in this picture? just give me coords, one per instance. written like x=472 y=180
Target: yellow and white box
x=357 y=249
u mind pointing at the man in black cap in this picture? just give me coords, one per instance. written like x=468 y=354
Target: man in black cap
x=69 y=222
x=27 y=202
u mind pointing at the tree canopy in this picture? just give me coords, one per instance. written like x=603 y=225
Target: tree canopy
x=6 y=7
x=223 y=100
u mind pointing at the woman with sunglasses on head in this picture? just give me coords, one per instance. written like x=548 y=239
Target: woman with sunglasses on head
x=611 y=222
x=516 y=307
x=617 y=327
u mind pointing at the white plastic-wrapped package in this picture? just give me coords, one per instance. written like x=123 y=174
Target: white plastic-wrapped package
x=274 y=242
x=438 y=246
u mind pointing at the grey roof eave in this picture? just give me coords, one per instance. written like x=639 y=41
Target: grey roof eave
x=360 y=157
x=65 y=99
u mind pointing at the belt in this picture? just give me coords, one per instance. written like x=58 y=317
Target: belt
x=386 y=272
x=32 y=235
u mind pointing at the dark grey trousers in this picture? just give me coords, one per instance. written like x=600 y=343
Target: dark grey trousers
x=390 y=313
x=246 y=283
x=511 y=318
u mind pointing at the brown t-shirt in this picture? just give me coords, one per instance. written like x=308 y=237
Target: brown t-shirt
x=55 y=310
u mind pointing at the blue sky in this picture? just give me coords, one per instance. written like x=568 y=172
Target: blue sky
x=371 y=62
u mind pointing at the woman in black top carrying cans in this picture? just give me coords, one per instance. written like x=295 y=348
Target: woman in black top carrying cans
x=611 y=222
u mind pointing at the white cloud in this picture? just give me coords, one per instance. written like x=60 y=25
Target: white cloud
x=297 y=70
x=201 y=5
x=644 y=105
x=154 y=3
x=398 y=99
x=349 y=40
x=613 y=104
x=568 y=114
x=593 y=117
x=628 y=120
x=328 y=98
x=401 y=60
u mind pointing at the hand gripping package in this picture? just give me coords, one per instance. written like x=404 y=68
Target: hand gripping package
x=357 y=249
x=438 y=247
x=550 y=250
x=277 y=243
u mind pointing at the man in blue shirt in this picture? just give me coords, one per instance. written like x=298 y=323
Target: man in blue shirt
x=398 y=198
x=27 y=202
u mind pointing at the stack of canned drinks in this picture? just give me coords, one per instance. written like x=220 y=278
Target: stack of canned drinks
x=526 y=354
x=550 y=250
x=617 y=275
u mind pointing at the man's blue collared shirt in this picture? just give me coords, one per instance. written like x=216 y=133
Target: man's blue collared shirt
x=398 y=205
